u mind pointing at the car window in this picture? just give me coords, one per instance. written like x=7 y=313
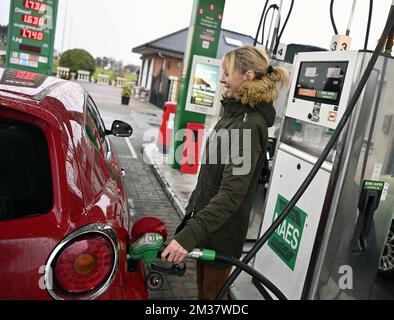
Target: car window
x=25 y=174
x=95 y=127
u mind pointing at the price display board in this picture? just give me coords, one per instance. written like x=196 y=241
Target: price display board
x=31 y=35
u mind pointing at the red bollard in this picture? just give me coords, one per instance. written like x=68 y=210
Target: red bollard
x=192 y=146
x=167 y=124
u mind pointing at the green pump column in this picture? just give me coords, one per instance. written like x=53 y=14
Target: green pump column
x=203 y=40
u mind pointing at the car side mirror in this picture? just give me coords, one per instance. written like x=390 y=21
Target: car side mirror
x=121 y=129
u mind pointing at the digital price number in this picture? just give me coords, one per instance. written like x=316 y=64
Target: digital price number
x=26 y=75
x=30 y=34
x=38 y=6
x=37 y=21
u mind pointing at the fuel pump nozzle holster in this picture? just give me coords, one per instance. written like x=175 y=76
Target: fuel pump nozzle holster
x=368 y=203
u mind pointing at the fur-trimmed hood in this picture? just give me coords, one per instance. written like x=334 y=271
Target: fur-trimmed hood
x=234 y=107
x=255 y=91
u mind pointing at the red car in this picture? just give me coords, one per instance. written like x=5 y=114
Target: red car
x=64 y=220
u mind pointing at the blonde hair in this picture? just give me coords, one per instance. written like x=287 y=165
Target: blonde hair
x=264 y=87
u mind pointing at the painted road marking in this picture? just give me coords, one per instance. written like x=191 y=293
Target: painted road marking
x=132 y=151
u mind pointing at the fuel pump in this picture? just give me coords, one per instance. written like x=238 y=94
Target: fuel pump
x=320 y=91
x=317 y=204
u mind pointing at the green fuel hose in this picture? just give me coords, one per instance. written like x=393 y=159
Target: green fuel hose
x=210 y=255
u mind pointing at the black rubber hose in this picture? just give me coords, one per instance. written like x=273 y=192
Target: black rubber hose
x=261 y=21
x=272 y=6
x=319 y=162
x=283 y=28
x=287 y=19
x=253 y=272
x=368 y=24
x=263 y=291
x=332 y=17
x=390 y=42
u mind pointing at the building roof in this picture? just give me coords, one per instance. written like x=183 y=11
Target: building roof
x=174 y=44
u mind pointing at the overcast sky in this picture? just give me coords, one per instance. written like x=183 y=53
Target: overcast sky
x=113 y=27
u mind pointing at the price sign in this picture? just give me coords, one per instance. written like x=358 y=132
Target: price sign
x=31 y=35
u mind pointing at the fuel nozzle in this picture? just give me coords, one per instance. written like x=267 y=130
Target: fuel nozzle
x=146 y=248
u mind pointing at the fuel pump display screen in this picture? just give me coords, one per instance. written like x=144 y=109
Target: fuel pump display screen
x=321 y=82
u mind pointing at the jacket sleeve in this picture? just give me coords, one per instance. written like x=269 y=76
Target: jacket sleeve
x=237 y=177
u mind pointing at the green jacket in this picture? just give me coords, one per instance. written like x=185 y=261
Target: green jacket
x=222 y=200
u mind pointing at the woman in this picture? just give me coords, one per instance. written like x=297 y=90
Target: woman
x=219 y=207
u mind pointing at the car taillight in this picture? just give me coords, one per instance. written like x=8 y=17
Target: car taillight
x=84 y=264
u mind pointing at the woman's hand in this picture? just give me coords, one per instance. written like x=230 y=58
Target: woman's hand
x=174 y=252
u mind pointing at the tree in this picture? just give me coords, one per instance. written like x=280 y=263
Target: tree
x=132 y=68
x=99 y=62
x=78 y=59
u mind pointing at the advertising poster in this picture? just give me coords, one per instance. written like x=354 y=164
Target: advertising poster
x=204 y=88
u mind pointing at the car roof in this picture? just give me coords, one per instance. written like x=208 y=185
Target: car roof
x=34 y=89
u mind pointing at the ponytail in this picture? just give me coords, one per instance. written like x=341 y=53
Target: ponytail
x=264 y=89
x=280 y=76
